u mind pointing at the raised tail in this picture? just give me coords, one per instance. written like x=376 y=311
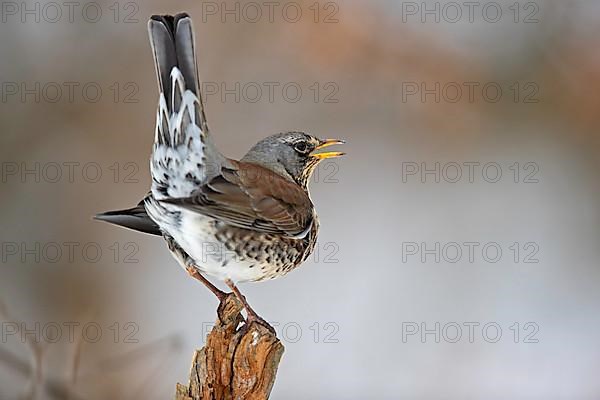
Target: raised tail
x=183 y=156
x=134 y=218
x=174 y=49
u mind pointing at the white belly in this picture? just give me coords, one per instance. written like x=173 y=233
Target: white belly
x=195 y=234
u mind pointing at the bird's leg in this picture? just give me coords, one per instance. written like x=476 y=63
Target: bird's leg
x=194 y=273
x=252 y=315
x=187 y=262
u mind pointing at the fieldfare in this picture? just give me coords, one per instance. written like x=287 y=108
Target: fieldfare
x=237 y=221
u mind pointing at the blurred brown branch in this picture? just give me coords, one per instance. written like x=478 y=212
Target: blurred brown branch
x=237 y=362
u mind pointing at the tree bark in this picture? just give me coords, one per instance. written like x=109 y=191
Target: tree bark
x=237 y=362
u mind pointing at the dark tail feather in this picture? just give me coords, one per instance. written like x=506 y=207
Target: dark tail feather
x=172 y=40
x=134 y=218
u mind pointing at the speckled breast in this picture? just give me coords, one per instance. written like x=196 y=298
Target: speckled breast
x=272 y=255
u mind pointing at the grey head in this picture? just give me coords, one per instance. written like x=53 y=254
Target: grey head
x=293 y=155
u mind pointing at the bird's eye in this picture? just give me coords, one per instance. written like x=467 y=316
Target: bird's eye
x=301 y=147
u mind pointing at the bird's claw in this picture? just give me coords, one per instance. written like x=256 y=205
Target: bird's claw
x=253 y=317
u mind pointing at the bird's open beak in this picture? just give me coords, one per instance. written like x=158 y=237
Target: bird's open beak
x=327 y=154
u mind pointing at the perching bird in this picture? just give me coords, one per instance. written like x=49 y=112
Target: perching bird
x=238 y=221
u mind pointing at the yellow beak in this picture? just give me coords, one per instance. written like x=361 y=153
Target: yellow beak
x=328 y=154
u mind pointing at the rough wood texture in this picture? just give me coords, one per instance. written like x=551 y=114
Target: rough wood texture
x=236 y=363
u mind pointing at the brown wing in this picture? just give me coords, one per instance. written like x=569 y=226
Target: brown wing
x=252 y=197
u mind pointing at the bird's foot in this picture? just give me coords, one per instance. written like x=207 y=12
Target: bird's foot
x=253 y=317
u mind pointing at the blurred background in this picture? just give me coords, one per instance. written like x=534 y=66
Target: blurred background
x=459 y=244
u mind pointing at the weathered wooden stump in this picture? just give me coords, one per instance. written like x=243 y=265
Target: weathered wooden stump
x=237 y=362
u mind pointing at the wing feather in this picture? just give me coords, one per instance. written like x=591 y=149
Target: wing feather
x=275 y=205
